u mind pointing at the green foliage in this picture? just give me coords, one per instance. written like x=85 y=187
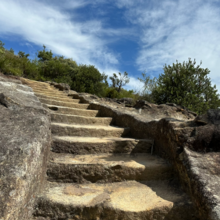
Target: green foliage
x=11 y=51
x=127 y=94
x=57 y=69
x=9 y=64
x=111 y=93
x=86 y=78
x=45 y=55
x=118 y=81
x=13 y=64
x=22 y=54
x=149 y=86
x=116 y=90
x=188 y=85
x=47 y=67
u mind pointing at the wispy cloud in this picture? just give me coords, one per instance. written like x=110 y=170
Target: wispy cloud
x=40 y=23
x=165 y=31
x=176 y=30
x=135 y=85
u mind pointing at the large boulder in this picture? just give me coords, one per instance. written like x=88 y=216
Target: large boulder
x=25 y=141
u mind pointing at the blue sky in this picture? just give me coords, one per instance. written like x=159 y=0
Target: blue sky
x=123 y=35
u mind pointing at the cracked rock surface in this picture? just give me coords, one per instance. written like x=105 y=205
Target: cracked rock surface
x=24 y=143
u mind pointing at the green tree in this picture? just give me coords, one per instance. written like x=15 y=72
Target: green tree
x=56 y=68
x=105 y=79
x=2 y=55
x=24 y=63
x=186 y=84
x=120 y=80
x=12 y=51
x=9 y=63
x=150 y=84
x=45 y=55
x=87 y=78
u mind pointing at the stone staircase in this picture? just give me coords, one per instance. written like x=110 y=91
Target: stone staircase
x=96 y=172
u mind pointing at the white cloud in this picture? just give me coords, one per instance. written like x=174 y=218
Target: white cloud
x=177 y=30
x=167 y=31
x=135 y=84
x=40 y=23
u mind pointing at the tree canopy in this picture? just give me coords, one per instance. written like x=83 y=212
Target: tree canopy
x=186 y=84
x=87 y=78
x=120 y=80
x=149 y=85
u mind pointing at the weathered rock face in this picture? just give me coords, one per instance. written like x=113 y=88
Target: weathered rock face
x=61 y=86
x=206 y=136
x=143 y=110
x=103 y=155
x=203 y=175
x=25 y=141
x=181 y=141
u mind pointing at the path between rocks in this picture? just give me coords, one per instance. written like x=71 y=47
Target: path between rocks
x=97 y=172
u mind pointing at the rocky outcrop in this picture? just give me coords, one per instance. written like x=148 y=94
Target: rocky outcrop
x=206 y=136
x=191 y=146
x=25 y=141
x=89 y=149
x=143 y=110
x=61 y=86
x=84 y=154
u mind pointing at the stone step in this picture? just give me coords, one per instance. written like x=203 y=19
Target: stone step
x=76 y=119
x=65 y=104
x=170 y=190
x=49 y=89
x=51 y=95
x=43 y=87
x=94 y=145
x=64 y=99
x=113 y=201
x=33 y=83
x=72 y=111
x=51 y=92
x=102 y=168
x=61 y=129
x=46 y=88
x=59 y=103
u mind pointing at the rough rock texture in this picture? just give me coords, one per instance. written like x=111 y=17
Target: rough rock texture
x=147 y=105
x=103 y=168
x=174 y=137
x=203 y=175
x=103 y=201
x=145 y=111
x=61 y=86
x=206 y=136
x=25 y=141
x=119 y=201
x=92 y=145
